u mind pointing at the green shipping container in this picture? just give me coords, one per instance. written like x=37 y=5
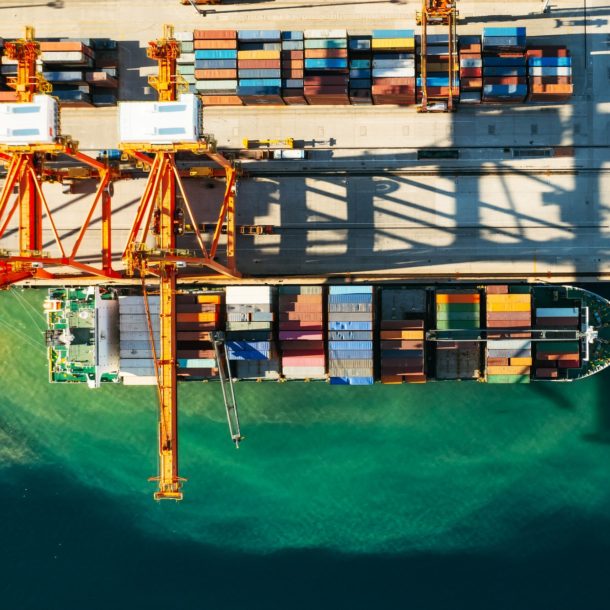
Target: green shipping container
x=558 y=347
x=508 y=379
x=456 y=324
x=457 y=315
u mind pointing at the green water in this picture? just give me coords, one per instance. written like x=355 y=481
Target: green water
x=445 y=495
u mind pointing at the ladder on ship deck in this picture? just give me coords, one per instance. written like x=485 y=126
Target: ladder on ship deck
x=226 y=383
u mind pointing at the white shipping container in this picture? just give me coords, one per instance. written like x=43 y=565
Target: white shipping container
x=394 y=73
x=515 y=344
x=132 y=354
x=129 y=379
x=394 y=63
x=161 y=122
x=216 y=85
x=186 y=58
x=36 y=122
x=184 y=36
x=64 y=57
x=304 y=372
x=550 y=71
x=471 y=62
x=294 y=154
x=325 y=33
x=236 y=295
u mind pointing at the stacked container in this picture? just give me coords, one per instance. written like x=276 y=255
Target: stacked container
x=508 y=311
x=393 y=67
x=402 y=335
x=457 y=310
x=293 y=68
x=350 y=317
x=504 y=65
x=301 y=332
x=438 y=55
x=259 y=67
x=557 y=317
x=196 y=316
x=509 y=360
x=136 y=356
x=360 y=66
x=249 y=333
x=550 y=74
x=471 y=69
x=554 y=358
x=186 y=60
x=326 y=67
x=216 y=66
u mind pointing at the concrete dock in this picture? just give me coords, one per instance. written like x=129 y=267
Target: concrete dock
x=529 y=195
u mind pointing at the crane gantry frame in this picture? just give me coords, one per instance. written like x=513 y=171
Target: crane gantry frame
x=26 y=171
x=158 y=201
x=438 y=12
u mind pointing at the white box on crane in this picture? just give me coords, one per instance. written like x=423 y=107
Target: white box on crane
x=35 y=122
x=161 y=122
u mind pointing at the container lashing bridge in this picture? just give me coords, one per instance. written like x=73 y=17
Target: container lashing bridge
x=159 y=202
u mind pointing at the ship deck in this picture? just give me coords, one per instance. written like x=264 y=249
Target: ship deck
x=528 y=197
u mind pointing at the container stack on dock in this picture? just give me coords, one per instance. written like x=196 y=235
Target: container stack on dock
x=504 y=65
x=301 y=332
x=197 y=315
x=555 y=358
x=350 y=319
x=458 y=310
x=550 y=74
x=293 y=68
x=326 y=67
x=471 y=69
x=402 y=335
x=186 y=61
x=438 y=55
x=259 y=67
x=360 y=69
x=249 y=332
x=393 y=67
x=216 y=66
x=136 y=357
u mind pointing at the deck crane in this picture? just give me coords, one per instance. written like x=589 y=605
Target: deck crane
x=158 y=213
x=31 y=136
x=438 y=12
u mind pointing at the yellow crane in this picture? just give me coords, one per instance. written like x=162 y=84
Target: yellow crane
x=438 y=12
x=158 y=202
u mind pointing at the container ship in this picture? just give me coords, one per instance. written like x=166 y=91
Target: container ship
x=340 y=334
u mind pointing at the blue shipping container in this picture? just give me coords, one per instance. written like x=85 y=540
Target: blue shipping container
x=360 y=63
x=336 y=290
x=325 y=64
x=260 y=82
x=215 y=54
x=339 y=345
x=504 y=31
x=259 y=35
x=215 y=64
x=292 y=35
x=504 y=91
x=245 y=74
x=503 y=61
x=350 y=326
x=247 y=91
x=393 y=33
x=360 y=43
x=550 y=62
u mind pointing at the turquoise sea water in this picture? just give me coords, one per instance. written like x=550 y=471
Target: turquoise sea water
x=445 y=495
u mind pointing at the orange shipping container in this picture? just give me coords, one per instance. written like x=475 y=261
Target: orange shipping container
x=508 y=370
x=196 y=317
x=457 y=298
x=509 y=298
x=402 y=334
x=209 y=298
x=215 y=44
x=391 y=379
x=221 y=100
x=215 y=74
x=521 y=362
x=325 y=53
x=215 y=34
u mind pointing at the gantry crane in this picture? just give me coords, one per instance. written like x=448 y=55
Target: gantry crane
x=28 y=168
x=159 y=214
x=438 y=12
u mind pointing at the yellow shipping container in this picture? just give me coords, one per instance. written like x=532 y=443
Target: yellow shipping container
x=509 y=298
x=508 y=370
x=209 y=298
x=521 y=362
x=495 y=307
x=258 y=54
x=402 y=334
x=394 y=43
x=197 y=317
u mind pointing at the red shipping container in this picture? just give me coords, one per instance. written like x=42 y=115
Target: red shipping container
x=471 y=72
x=328 y=90
x=470 y=49
x=300 y=325
x=497 y=361
x=296 y=74
x=548 y=51
x=392 y=90
x=470 y=84
x=304 y=361
x=564 y=363
x=404 y=82
x=302 y=344
x=505 y=80
x=259 y=64
x=525 y=316
x=506 y=323
x=293 y=64
x=334 y=80
x=546 y=373
x=292 y=55
x=311 y=335
x=214 y=34
x=496 y=289
x=557 y=322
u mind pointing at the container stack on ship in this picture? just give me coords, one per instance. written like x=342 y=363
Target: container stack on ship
x=402 y=329
x=197 y=315
x=458 y=315
x=293 y=68
x=185 y=63
x=509 y=345
x=504 y=65
x=326 y=67
x=394 y=67
x=350 y=337
x=301 y=332
x=360 y=69
x=550 y=74
x=216 y=66
x=471 y=69
x=260 y=84
x=249 y=325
